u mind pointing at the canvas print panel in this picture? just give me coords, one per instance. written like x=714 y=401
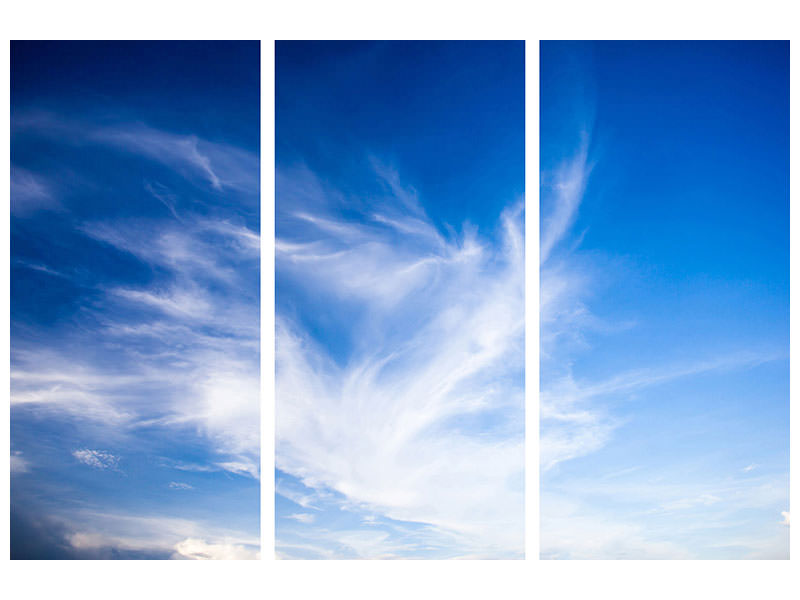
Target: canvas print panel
x=664 y=300
x=134 y=300
x=399 y=300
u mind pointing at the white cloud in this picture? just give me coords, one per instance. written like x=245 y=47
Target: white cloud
x=98 y=459
x=39 y=267
x=223 y=167
x=175 y=150
x=206 y=387
x=178 y=485
x=569 y=530
x=440 y=337
x=568 y=185
x=176 y=302
x=191 y=467
x=19 y=464
x=194 y=249
x=632 y=512
x=182 y=538
x=176 y=349
x=306 y=518
x=190 y=347
x=399 y=191
x=30 y=193
x=572 y=426
x=304 y=500
x=785 y=515
x=241 y=468
x=200 y=550
x=705 y=499
x=219 y=166
x=664 y=513
x=576 y=421
x=46 y=381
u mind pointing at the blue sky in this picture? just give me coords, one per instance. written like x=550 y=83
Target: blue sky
x=664 y=299
x=399 y=299
x=135 y=300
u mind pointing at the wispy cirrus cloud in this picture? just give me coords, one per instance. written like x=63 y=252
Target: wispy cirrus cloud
x=19 y=464
x=635 y=512
x=30 y=193
x=97 y=459
x=566 y=187
x=420 y=419
x=135 y=306
x=306 y=518
x=572 y=425
x=664 y=515
x=179 y=485
x=197 y=322
x=173 y=351
x=577 y=415
x=221 y=166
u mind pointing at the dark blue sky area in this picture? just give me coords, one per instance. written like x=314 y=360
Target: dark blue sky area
x=183 y=86
x=690 y=139
x=416 y=106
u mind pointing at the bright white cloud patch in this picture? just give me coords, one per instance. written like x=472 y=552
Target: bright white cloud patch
x=97 y=459
x=178 y=485
x=420 y=419
x=201 y=550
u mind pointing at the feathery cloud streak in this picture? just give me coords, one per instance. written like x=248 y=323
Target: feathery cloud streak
x=156 y=362
x=414 y=412
x=662 y=411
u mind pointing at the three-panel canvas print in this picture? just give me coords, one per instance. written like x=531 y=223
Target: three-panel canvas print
x=652 y=276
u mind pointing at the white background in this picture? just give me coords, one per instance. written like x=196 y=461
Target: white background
x=411 y=19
